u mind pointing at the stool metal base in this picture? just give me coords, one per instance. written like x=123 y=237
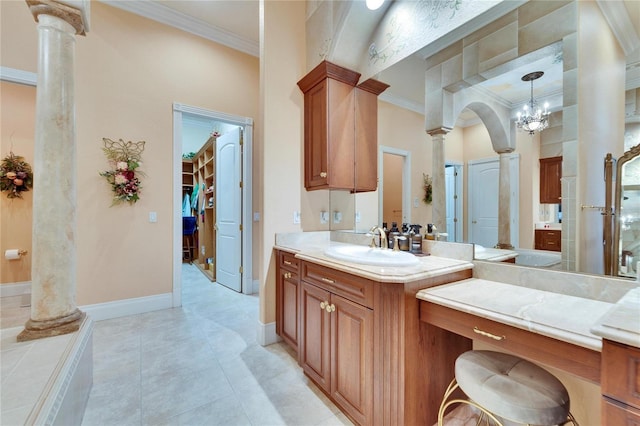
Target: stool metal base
x=486 y=417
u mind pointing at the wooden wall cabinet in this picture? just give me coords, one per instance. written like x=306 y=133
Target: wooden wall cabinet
x=287 y=295
x=620 y=384
x=340 y=123
x=204 y=175
x=548 y=239
x=550 y=185
x=362 y=342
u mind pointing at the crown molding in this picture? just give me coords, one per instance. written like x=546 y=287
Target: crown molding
x=159 y=13
x=402 y=102
x=620 y=23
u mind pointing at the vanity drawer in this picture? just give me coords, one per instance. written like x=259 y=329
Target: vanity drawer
x=615 y=413
x=621 y=372
x=289 y=261
x=575 y=359
x=546 y=239
x=356 y=289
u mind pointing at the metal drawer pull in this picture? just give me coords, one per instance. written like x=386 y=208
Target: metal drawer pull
x=286 y=262
x=484 y=333
x=328 y=280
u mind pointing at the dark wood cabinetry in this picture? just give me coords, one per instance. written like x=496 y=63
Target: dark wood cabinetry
x=340 y=124
x=550 y=175
x=362 y=343
x=287 y=304
x=620 y=384
x=548 y=239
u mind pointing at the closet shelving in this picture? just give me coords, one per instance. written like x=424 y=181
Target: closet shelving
x=204 y=175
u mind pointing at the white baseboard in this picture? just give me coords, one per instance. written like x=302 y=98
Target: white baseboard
x=267 y=334
x=121 y=308
x=15 y=289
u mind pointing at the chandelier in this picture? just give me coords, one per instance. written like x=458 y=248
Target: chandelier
x=532 y=118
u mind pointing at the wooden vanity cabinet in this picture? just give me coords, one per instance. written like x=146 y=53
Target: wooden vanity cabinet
x=287 y=298
x=548 y=239
x=550 y=185
x=620 y=384
x=362 y=343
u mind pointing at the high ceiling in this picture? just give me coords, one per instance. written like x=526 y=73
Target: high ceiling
x=235 y=23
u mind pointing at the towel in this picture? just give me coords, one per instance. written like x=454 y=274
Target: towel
x=186 y=206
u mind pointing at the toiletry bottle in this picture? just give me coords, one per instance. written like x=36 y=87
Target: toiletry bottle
x=393 y=232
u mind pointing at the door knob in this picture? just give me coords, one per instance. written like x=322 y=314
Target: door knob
x=474 y=221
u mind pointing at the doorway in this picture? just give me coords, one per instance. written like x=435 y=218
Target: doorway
x=240 y=170
x=483 y=184
x=453 y=188
x=394 y=185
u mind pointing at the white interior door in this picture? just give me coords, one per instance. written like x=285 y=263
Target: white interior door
x=453 y=190
x=229 y=210
x=483 y=206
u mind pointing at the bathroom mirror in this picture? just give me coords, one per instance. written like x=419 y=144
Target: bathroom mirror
x=626 y=247
x=462 y=143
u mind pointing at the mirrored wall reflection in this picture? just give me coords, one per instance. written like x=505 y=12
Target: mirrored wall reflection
x=627 y=232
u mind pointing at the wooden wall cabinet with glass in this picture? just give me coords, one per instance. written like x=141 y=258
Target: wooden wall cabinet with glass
x=550 y=185
x=287 y=305
x=337 y=116
x=204 y=171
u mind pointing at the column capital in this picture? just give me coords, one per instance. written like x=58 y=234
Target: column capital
x=439 y=131
x=74 y=12
x=505 y=151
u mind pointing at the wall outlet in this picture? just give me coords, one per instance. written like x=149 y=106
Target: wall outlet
x=153 y=217
x=337 y=217
x=256 y=216
x=324 y=217
x=296 y=217
x=358 y=217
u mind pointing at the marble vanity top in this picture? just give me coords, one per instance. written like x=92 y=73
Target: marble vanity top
x=559 y=316
x=493 y=254
x=622 y=322
x=312 y=249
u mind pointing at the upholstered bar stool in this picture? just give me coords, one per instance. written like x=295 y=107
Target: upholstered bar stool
x=508 y=390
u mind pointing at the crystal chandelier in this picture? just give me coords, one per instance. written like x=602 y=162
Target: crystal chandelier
x=532 y=118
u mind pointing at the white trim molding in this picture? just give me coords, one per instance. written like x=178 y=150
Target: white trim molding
x=15 y=289
x=620 y=23
x=267 y=334
x=155 y=11
x=122 y=308
x=18 y=76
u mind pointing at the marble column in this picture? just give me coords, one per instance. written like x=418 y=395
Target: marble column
x=439 y=194
x=53 y=273
x=504 y=203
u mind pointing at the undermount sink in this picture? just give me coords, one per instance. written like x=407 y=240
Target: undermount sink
x=372 y=256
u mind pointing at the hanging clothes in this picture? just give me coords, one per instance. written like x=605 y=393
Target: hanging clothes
x=186 y=206
x=194 y=197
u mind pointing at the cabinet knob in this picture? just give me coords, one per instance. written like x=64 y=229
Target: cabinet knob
x=287 y=274
x=323 y=305
x=323 y=174
x=331 y=308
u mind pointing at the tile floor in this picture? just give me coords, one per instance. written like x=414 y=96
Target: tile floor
x=199 y=365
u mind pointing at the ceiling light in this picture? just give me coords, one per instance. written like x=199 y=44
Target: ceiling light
x=533 y=119
x=374 y=4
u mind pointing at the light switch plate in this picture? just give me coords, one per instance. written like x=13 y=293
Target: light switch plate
x=153 y=217
x=296 y=217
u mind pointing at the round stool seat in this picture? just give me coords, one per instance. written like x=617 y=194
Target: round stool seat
x=512 y=388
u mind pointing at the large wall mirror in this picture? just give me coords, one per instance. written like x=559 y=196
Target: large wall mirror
x=469 y=142
x=626 y=238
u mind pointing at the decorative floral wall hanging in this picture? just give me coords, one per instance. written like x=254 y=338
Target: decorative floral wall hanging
x=428 y=189
x=125 y=158
x=16 y=176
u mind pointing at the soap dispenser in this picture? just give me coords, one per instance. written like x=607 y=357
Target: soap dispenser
x=393 y=232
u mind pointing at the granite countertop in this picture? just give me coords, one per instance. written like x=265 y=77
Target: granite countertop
x=312 y=250
x=559 y=316
x=622 y=322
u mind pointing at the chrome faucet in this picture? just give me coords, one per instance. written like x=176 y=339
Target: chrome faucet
x=383 y=237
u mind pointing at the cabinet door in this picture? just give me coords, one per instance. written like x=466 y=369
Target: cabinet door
x=290 y=309
x=550 y=175
x=548 y=240
x=315 y=355
x=352 y=358
x=315 y=136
